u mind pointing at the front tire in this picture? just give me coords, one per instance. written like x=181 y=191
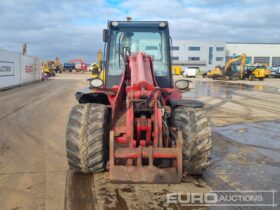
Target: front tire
x=197 y=143
x=251 y=77
x=86 y=138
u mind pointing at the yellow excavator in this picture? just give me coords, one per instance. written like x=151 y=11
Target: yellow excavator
x=96 y=69
x=225 y=72
x=47 y=68
x=57 y=65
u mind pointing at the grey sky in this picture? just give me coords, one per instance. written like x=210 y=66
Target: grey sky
x=73 y=29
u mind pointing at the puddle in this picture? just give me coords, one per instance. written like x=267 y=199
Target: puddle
x=224 y=89
x=238 y=166
x=263 y=136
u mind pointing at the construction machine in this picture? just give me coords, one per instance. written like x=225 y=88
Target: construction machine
x=264 y=66
x=48 y=68
x=135 y=123
x=176 y=70
x=255 y=71
x=97 y=70
x=57 y=65
x=227 y=72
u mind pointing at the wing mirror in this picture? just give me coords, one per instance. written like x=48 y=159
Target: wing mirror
x=105 y=35
x=182 y=84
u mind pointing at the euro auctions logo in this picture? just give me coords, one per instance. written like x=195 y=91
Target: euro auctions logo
x=224 y=198
x=28 y=69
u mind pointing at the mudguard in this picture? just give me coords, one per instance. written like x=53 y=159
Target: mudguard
x=87 y=96
x=185 y=103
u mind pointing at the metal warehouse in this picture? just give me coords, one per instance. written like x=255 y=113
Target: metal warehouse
x=207 y=54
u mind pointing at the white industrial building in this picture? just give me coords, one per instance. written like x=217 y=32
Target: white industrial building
x=200 y=54
x=207 y=54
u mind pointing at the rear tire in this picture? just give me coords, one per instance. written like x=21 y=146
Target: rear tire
x=86 y=138
x=197 y=143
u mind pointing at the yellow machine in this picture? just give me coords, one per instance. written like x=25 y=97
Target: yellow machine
x=48 y=68
x=176 y=70
x=223 y=73
x=253 y=71
x=96 y=68
x=216 y=72
x=57 y=65
x=264 y=66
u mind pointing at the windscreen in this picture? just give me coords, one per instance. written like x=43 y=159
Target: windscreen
x=124 y=43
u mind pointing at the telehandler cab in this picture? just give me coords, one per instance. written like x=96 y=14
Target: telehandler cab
x=134 y=123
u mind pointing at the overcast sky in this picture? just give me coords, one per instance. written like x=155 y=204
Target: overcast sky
x=73 y=29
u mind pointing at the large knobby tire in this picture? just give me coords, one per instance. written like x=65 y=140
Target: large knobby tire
x=86 y=138
x=197 y=144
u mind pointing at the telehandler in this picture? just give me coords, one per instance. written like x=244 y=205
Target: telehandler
x=135 y=123
x=256 y=71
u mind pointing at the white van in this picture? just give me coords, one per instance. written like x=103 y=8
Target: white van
x=189 y=72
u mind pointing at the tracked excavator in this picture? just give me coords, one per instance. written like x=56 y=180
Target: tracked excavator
x=226 y=72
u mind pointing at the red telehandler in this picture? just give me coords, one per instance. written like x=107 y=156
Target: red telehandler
x=135 y=123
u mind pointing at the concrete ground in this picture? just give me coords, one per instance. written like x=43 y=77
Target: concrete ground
x=33 y=168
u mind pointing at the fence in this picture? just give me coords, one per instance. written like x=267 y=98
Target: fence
x=17 y=69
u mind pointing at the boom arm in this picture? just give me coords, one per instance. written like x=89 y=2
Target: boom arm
x=241 y=58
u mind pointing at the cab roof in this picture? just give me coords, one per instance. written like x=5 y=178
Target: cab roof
x=137 y=24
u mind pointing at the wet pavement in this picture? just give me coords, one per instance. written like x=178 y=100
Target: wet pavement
x=224 y=89
x=264 y=137
x=246 y=154
x=246 y=145
x=34 y=173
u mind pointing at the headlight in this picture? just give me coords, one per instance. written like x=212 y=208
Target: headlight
x=162 y=24
x=115 y=24
x=96 y=83
x=182 y=84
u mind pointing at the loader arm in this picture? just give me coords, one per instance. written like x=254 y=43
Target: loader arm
x=137 y=137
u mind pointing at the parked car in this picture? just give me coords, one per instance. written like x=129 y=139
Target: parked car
x=275 y=72
x=189 y=72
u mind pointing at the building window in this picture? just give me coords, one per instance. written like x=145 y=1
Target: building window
x=261 y=60
x=248 y=60
x=174 y=47
x=194 y=58
x=275 y=61
x=210 y=55
x=219 y=58
x=175 y=58
x=151 y=48
x=194 y=48
x=220 y=48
